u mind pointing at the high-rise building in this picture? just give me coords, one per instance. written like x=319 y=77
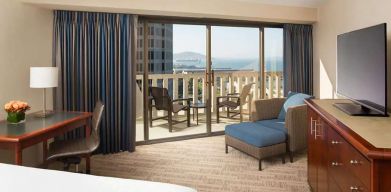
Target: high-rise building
x=160 y=52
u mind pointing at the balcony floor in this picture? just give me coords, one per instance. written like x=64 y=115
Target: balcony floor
x=159 y=129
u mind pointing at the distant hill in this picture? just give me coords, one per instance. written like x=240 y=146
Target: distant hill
x=197 y=60
x=189 y=56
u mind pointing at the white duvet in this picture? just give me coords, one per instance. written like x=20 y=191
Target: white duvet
x=25 y=179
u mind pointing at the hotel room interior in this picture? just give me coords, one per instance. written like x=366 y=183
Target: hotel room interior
x=195 y=95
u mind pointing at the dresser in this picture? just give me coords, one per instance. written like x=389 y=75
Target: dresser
x=347 y=153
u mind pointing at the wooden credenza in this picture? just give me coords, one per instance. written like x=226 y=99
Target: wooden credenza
x=347 y=153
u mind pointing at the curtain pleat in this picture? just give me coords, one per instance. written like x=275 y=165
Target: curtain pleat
x=92 y=51
x=298 y=59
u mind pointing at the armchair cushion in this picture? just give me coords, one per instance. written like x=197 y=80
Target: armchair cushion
x=264 y=109
x=255 y=134
x=293 y=99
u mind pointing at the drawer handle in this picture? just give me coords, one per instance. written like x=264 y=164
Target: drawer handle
x=312 y=125
x=354 y=188
x=335 y=142
x=336 y=164
x=316 y=130
x=355 y=162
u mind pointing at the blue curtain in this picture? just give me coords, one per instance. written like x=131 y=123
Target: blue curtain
x=93 y=54
x=298 y=59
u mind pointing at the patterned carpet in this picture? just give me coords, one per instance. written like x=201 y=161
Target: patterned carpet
x=202 y=164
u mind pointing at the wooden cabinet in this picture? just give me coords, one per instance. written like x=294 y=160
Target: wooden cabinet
x=317 y=160
x=313 y=153
x=340 y=160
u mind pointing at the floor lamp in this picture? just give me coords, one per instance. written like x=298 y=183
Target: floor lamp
x=43 y=77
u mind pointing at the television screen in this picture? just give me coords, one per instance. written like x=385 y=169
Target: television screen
x=362 y=67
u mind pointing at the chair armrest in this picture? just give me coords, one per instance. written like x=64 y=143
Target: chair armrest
x=228 y=97
x=296 y=124
x=188 y=100
x=263 y=109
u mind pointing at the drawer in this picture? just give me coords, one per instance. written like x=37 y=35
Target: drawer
x=332 y=185
x=357 y=163
x=352 y=160
x=346 y=181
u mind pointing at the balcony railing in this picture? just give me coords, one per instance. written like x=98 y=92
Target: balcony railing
x=224 y=82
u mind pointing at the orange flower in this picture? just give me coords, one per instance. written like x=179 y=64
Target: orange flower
x=7 y=106
x=16 y=106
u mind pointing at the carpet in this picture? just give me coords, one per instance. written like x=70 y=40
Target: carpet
x=202 y=164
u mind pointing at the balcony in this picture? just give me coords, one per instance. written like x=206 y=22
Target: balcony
x=191 y=85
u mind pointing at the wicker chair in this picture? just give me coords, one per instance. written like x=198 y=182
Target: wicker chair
x=233 y=101
x=295 y=124
x=163 y=101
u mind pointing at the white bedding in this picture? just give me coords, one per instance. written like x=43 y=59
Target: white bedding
x=25 y=179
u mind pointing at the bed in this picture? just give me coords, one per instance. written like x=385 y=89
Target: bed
x=25 y=179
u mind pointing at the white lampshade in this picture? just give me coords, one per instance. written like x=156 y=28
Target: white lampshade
x=43 y=77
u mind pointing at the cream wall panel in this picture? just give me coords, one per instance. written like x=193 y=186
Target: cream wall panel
x=222 y=9
x=340 y=16
x=25 y=41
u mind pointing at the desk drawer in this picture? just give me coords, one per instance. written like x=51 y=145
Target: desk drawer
x=349 y=158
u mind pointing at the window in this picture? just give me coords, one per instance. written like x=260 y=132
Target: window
x=151 y=30
x=151 y=55
x=151 y=43
x=274 y=62
x=151 y=67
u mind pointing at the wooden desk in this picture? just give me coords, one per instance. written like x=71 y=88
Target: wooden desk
x=35 y=130
x=347 y=153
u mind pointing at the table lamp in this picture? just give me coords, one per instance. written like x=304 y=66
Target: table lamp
x=43 y=77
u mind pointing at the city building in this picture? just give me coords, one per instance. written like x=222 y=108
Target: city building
x=160 y=53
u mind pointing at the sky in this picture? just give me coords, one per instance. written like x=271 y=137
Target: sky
x=227 y=42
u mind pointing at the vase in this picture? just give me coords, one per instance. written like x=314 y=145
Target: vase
x=16 y=117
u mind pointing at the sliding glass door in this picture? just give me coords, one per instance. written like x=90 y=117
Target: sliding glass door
x=236 y=66
x=199 y=65
x=174 y=56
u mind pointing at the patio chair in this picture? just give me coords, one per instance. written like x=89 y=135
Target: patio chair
x=233 y=101
x=163 y=101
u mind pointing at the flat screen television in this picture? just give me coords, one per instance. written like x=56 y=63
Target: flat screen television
x=362 y=71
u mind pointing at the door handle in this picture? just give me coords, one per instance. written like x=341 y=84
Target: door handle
x=206 y=78
x=213 y=78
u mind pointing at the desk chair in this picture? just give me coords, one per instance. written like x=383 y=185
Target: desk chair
x=72 y=151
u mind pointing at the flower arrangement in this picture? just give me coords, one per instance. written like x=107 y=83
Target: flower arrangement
x=16 y=111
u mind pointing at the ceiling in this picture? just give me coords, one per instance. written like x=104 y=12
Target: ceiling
x=295 y=3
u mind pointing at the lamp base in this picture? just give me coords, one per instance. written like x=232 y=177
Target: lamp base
x=43 y=114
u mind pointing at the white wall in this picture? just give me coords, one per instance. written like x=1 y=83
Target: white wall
x=222 y=9
x=25 y=41
x=340 y=16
